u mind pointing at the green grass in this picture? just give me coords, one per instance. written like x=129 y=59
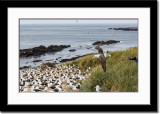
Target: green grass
x=85 y=62
x=121 y=74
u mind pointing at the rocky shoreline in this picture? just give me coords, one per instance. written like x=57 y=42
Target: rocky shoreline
x=72 y=59
x=41 y=50
x=61 y=61
x=24 y=67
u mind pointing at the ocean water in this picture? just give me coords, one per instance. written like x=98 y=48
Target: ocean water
x=79 y=36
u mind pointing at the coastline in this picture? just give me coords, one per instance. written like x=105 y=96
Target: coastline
x=63 y=61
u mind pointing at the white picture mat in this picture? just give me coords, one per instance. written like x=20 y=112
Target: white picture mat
x=140 y=97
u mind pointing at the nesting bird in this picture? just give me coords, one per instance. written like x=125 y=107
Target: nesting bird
x=97 y=88
x=107 y=54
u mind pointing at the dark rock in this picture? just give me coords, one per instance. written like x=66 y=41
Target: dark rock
x=37 y=60
x=49 y=60
x=125 y=29
x=71 y=59
x=41 y=50
x=105 y=43
x=55 y=48
x=72 y=50
x=25 y=67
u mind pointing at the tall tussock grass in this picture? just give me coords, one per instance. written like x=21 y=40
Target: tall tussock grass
x=121 y=74
x=85 y=62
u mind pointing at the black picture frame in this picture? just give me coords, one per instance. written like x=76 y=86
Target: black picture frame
x=152 y=4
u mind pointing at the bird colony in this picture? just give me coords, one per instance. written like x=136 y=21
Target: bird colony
x=60 y=79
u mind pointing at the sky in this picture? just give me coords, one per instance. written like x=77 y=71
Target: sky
x=78 y=21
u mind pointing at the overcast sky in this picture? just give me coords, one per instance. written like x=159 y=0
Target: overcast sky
x=129 y=21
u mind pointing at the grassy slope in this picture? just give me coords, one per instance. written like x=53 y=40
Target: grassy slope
x=121 y=74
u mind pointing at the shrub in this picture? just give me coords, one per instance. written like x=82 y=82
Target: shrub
x=44 y=66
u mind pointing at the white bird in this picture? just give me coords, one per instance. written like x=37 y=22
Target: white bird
x=80 y=78
x=37 y=87
x=78 y=85
x=35 y=83
x=70 y=84
x=105 y=54
x=51 y=90
x=26 y=89
x=68 y=81
x=50 y=79
x=87 y=70
x=59 y=89
x=50 y=85
x=40 y=82
x=27 y=84
x=83 y=78
x=59 y=82
x=46 y=88
x=32 y=89
x=74 y=88
x=96 y=56
x=97 y=88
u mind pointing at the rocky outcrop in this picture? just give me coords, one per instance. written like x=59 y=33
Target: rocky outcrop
x=41 y=50
x=72 y=50
x=71 y=59
x=105 y=42
x=125 y=29
x=37 y=60
x=24 y=67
